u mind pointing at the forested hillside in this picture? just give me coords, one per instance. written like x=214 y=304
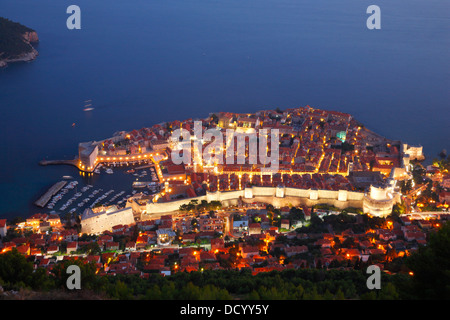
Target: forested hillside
x=13 y=39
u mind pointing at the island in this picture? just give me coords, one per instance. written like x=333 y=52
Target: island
x=16 y=42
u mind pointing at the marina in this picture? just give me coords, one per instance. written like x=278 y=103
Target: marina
x=108 y=187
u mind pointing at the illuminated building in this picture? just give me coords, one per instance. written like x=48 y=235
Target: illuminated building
x=414 y=152
x=87 y=154
x=379 y=201
x=165 y=236
x=99 y=220
x=341 y=135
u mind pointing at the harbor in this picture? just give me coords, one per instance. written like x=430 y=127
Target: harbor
x=111 y=185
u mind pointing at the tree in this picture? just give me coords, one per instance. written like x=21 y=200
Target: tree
x=339 y=295
x=16 y=272
x=153 y=293
x=430 y=266
x=215 y=205
x=92 y=248
x=194 y=223
x=89 y=279
x=120 y=291
x=214 y=119
x=398 y=209
x=315 y=220
x=253 y=295
x=388 y=292
x=296 y=214
x=16 y=220
x=405 y=186
x=12 y=41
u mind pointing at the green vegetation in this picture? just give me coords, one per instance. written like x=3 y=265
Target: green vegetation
x=431 y=267
x=16 y=273
x=214 y=119
x=208 y=285
x=430 y=280
x=203 y=206
x=399 y=209
x=443 y=164
x=405 y=186
x=297 y=284
x=12 y=42
x=418 y=173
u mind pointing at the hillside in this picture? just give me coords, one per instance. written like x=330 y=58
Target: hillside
x=16 y=42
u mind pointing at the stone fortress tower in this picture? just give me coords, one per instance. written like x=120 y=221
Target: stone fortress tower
x=380 y=199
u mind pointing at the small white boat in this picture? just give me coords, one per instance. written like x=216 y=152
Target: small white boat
x=88 y=105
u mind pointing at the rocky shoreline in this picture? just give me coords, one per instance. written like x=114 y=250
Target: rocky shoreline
x=29 y=38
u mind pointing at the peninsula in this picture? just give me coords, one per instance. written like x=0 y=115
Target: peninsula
x=320 y=157
x=16 y=42
x=342 y=199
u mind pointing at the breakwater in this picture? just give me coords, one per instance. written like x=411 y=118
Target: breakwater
x=42 y=201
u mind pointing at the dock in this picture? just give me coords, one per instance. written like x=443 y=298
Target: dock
x=145 y=166
x=54 y=162
x=42 y=201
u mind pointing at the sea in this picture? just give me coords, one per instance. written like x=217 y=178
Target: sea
x=143 y=62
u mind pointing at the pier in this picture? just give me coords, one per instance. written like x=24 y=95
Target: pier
x=42 y=201
x=52 y=162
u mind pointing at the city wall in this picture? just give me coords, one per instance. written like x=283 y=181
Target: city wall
x=278 y=197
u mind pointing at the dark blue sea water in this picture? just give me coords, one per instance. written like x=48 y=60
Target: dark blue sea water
x=143 y=62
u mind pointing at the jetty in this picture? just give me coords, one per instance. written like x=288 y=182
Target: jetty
x=42 y=201
x=52 y=162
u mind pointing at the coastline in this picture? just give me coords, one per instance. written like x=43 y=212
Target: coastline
x=29 y=38
x=25 y=57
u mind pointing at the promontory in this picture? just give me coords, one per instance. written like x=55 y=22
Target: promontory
x=16 y=42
